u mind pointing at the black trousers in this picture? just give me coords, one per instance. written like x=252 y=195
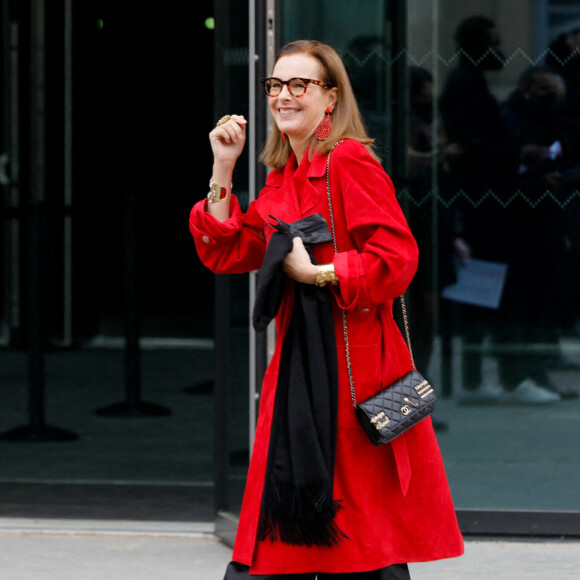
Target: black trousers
x=237 y=571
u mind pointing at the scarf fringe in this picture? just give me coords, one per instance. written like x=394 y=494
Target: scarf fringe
x=303 y=516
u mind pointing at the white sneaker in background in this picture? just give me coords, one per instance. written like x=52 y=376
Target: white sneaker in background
x=485 y=394
x=528 y=392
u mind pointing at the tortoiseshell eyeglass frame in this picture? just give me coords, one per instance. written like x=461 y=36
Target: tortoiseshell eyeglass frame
x=306 y=82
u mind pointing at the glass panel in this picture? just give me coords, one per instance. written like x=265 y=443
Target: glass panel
x=471 y=190
x=140 y=151
x=362 y=35
x=493 y=152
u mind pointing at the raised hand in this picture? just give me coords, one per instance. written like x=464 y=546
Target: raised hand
x=227 y=139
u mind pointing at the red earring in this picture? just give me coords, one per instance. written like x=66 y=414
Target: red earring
x=324 y=130
x=283 y=135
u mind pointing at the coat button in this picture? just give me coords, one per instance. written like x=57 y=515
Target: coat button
x=364 y=310
x=206 y=239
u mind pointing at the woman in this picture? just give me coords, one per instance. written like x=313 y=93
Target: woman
x=320 y=498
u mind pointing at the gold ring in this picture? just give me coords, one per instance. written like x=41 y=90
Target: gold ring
x=223 y=120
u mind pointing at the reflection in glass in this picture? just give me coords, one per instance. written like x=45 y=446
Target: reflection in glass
x=492 y=174
x=492 y=147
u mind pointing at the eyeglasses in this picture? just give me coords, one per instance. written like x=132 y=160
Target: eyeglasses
x=296 y=86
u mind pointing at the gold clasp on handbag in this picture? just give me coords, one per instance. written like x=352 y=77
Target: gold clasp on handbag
x=423 y=389
x=380 y=420
x=405 y=409
x=407 y=400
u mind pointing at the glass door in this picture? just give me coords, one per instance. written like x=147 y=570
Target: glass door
x=492 y=192
x=103 y=130
x=492 y=199
x=493 y=310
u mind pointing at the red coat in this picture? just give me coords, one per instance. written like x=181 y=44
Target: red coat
x=396 y=500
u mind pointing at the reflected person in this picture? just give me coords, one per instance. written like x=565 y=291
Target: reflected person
x=478 y=176
x=428 y=154
x=537 y=297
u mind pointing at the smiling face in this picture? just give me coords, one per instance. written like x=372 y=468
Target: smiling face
x=298 y=117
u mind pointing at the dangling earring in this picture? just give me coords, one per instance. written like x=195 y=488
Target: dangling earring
x=324 y=130
x=283 y=135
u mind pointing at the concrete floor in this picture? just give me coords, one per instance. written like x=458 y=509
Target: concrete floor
x=29 y=551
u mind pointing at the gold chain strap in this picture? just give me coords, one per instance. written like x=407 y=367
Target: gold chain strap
x=407 y=333
x=344 y=323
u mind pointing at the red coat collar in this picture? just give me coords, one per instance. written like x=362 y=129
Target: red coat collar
x=317 y=168
x=297 y=195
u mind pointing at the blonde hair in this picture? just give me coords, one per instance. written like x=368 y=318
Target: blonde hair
x=346 y=118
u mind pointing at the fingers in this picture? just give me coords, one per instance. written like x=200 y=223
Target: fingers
x=298 y=244
x=294 y=257
x=298 y=264
x=298 y=253
x=230 y=132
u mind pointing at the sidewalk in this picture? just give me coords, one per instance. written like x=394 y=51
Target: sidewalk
x=93 y=550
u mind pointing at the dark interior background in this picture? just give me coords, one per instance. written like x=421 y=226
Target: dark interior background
x=143 y=106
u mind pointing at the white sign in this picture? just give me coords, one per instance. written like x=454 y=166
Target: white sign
x=479 y=282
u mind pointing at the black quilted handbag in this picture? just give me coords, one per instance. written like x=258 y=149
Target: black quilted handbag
x=398 y=406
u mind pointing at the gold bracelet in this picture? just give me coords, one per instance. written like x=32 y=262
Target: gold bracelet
x=326 y=274
x=216 y=192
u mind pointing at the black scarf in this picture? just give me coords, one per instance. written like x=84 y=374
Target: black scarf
x=297 y=503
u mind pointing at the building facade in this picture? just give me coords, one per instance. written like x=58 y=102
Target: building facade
x=131 y=375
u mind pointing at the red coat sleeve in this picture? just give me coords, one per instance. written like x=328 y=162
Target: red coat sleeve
x=234 y=246
x=384 y=258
